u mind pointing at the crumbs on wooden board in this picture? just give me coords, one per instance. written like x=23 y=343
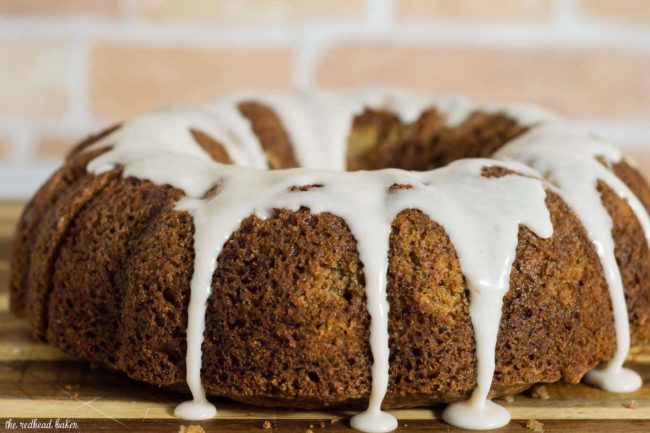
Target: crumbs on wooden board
x=192 y=428
x=631 y=404
x=72 y=390
x=540 y=392
x=535 y=426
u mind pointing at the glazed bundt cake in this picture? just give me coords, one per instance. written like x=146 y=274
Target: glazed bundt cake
x=319 y=249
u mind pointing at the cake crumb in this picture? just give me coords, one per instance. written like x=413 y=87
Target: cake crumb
x=192 y=428
x=509 y=399
x=333 y=421
x=309 y=431
x=72 y=391
x=266 y=425
x=322 y=424
x=631 y=405
x=540 y=392
x=535 y=426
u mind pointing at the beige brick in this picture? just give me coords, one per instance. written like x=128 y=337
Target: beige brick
x=266 y=12
x=33 y=78
x=579 y=83
x=622 y=11
x=131 y=79
x=474 y=10
x=5 y=148
x=105 y=8
x=54 y=146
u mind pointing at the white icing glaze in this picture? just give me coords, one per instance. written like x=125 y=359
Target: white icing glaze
x=241 y=143
x=480 y=215
x=567 y=158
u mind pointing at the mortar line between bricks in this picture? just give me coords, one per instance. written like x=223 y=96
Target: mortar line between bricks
x=588 y=33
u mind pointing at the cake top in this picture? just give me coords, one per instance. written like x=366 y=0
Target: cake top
x=317 y=122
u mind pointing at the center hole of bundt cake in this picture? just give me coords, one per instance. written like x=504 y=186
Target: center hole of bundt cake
x=379 y=139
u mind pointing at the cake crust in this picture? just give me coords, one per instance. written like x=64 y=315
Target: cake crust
x=102 y=265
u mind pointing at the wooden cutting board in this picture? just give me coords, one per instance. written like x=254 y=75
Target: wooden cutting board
x=39 y=382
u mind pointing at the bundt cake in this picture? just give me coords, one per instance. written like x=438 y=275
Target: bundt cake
x=357 y=249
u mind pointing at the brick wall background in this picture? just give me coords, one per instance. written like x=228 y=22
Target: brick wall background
x=69 y=67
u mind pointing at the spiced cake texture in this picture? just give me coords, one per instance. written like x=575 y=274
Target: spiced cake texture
x=101 y=268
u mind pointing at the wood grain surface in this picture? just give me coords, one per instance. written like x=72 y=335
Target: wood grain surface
x=39 y=382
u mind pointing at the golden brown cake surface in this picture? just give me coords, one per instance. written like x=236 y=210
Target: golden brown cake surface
x=102 y=265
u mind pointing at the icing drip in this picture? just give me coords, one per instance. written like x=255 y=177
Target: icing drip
x=568 y=160
x=241 y=143
x=480 y=215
